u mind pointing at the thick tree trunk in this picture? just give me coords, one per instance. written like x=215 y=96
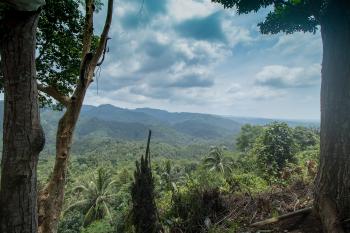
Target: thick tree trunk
x=23 y=138
x=332 y=194
x=52 y=196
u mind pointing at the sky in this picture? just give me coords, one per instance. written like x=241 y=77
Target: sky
x=195 y=56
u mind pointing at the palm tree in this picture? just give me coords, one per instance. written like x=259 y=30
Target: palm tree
x=216 y=161
x=171 y=176
x=96 y=197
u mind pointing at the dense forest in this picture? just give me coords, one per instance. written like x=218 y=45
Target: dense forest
x=68 y=167
x=197 y=188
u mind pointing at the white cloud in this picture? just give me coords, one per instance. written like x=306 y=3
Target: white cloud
x=187 y=9
x=278 y=76
x=151 y=65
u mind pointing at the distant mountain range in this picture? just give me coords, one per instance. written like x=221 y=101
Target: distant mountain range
x=110 y=122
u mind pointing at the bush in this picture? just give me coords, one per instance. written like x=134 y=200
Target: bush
x=247 y=182
x=274 y=149
x=101 y=226
x=71 y=222
x=196 y=210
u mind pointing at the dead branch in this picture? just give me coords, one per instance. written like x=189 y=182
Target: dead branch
x=304 y=212
x=104 y=53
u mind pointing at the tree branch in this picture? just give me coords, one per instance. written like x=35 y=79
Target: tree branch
x=104 y=53
x=87 y=67
x=88 y=28
x=54 y=93
x=104 y=34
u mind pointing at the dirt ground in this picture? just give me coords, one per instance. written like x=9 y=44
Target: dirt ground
x=248 y=209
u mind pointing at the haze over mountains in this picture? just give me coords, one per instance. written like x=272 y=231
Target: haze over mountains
x=133 y=124
x=106 y=122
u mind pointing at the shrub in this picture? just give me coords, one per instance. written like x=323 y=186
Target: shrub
x=274 y=149
x=196 y=210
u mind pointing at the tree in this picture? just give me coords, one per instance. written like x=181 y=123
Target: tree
x=305 y=137
x=275 y=148
x=96 y=197
x=170 y=175
x=23 y=137
x=68 y=48
x=247 y=136
x=144 y=210
x=216 y=161
x=332 y=193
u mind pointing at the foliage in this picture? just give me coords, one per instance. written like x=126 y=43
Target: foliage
x=180 y=183
x=274 y=149
x=312 y=153
x=59 y=45
x=102 y=226
x=71 y=223
x=247 y=136
x=305 y=138
x=247 y=162
x=144 y=210
x=95 y=196
x=169 y=175
x=216 y=161
x=247 y=183
x=196 y=210
x=286 y=15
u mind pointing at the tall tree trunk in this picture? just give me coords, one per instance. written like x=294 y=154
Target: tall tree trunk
x=332 y=194
x=52 y=196
x=23 y=138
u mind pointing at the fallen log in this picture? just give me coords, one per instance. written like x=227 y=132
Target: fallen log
x=304 y=212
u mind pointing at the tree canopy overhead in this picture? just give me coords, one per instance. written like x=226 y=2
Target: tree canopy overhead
x=59 y=46
x=285 y=16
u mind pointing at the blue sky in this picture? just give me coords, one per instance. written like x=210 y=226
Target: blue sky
x=195 y=56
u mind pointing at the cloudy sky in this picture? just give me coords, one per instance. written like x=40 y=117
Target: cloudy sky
x=194 y=56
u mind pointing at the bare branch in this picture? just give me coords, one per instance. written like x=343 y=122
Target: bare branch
x=54 y=93
x=104 y=53
x=104 y=34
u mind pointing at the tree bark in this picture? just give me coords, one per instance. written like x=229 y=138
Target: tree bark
x=332 y=194
x=52 y=196
x=23 y=137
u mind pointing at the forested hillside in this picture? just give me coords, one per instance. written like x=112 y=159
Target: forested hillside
x=106 y=125
x=196 y=187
